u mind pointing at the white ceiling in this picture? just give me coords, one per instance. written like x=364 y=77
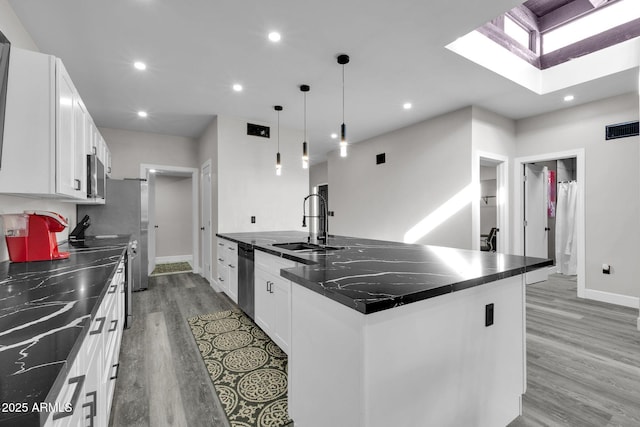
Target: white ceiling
x=196 y=49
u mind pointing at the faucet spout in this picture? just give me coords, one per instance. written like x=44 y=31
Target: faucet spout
x=315 y=231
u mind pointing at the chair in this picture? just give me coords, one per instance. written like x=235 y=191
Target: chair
x=489 y=241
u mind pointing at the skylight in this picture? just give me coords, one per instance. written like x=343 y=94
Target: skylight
x=604 y=19
x=516 y=31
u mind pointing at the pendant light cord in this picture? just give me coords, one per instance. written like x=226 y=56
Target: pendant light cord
x=278 y=131
x=305 y=116
x=342 y=93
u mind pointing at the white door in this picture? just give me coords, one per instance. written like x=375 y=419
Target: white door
x=536 y=225
x=151 y=180
x=205 y=228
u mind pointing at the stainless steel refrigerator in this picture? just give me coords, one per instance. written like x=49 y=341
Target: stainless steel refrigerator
x=126 y=211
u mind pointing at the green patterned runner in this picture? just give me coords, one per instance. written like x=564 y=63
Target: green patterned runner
x=248 y=371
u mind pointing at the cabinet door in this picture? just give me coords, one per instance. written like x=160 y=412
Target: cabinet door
x=282 y=313
x=81 y=132
x=263 y=306
x=66 y=181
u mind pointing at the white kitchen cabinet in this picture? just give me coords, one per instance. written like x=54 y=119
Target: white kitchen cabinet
x=227 y=267
x=47 y=130
x=89 y=384
x=273 y=298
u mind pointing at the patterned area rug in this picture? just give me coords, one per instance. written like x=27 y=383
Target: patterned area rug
x=248 y=370
x=171 y=268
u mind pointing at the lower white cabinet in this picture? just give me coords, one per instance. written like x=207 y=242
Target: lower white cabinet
x=227 y=268
x=273 y=298
x=86 y=393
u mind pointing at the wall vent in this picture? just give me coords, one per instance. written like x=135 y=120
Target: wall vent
x=622 y=130
x=257 y=130
x=381 y=158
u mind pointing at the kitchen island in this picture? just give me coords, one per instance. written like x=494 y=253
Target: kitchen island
x=386 y=333
x=47 y=308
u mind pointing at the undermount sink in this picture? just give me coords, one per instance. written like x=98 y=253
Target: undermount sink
x=304 y=247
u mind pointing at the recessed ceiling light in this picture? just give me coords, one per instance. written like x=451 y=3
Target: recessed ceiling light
x=237 y=87
x=407 y=105
x=140 y=65
x=334 y=135
x=274 y=36
x=568 y=98
x=142 y=114
x=152 y=171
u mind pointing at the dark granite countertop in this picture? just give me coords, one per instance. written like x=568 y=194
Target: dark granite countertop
x=374 y=275
x=45 y=310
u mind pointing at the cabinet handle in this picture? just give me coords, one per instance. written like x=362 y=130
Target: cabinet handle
x=221 y=279
x=231 y=249
x=232 y=266
x=77 y=184
x=220 y=244
x=114 y=327
x=79 y=381
x=269 y=284
x=117 y=366
x=119 y=270
x=92 y=407
x=109 y=169
x=220 y=259
x=112 y=288
x=99 y=330
x=95 y=150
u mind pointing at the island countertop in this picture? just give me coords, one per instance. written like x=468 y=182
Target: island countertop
x=374 y=275
x=45 y=307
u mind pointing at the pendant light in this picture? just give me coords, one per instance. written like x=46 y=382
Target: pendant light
x=278 y=108
x=342 y=60
x=305 y=148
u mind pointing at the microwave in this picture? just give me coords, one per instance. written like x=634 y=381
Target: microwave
x=95 y=177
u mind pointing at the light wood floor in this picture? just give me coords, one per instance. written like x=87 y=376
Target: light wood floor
x=162 y=380
x=583 y=359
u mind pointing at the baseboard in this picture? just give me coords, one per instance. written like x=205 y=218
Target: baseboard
x=174 y=258
x=215 y=287
x=612 y=298
x=639 y=323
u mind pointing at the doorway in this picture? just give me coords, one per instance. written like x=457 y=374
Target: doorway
x=490 y=224
x=176 y=179
x=541 y=212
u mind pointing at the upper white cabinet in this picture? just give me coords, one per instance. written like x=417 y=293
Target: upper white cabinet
x=48 y=131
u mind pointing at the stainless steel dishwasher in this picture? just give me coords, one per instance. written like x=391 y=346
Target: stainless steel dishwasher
x=246 y=294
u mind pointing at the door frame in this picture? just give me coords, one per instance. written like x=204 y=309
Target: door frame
x=208 y=235
x=195 y=212
x=518 y=213
x=502 y=200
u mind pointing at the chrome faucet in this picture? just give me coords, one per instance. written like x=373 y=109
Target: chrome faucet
x=324 y=236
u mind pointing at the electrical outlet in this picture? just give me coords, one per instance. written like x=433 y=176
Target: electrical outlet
x=488 y=314
x=606 y=269
x=253 y=220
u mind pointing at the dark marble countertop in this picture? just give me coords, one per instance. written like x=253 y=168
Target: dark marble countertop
x=45 y=310
x=374 y=275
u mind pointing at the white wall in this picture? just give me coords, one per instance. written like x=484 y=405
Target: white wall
x=247 y=181
x=426 y=165
x=173 y=216
x=129 y=149
x=612 y=175
x=13 y=29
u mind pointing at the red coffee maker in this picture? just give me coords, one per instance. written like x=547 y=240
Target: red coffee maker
x=31 y=236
